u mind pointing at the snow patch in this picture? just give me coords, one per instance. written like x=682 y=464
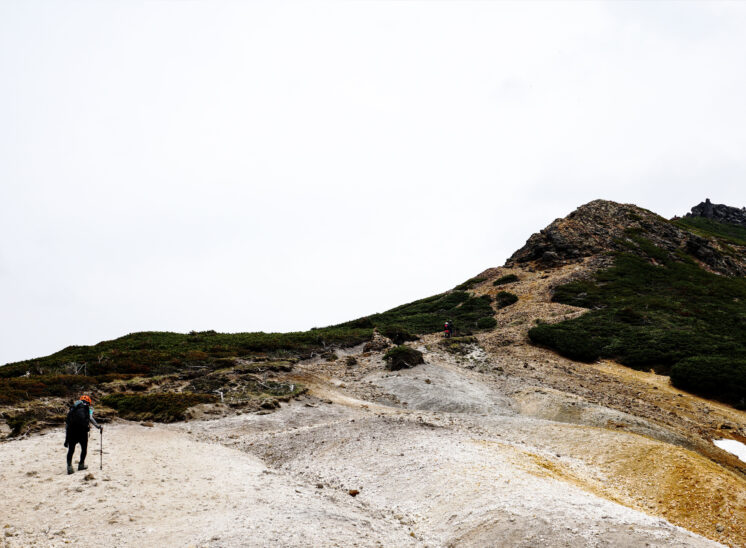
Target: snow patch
x=732 y=446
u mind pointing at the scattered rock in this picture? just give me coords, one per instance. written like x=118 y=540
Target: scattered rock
x=88 y=477
x=353 y=492
x=719 y=212
x=147 y=424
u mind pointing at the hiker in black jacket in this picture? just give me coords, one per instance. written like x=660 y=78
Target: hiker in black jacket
x=77 y=426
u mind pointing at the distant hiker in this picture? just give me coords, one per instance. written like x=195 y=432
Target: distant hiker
x=77 y=425
x=448 y=329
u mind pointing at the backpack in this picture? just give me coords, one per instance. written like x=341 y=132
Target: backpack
x=77 y=418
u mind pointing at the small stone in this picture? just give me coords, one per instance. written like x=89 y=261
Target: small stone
x=720 y=527
x=319 y=486
x=147 y=424
x=88 y=477
x=353 y=492
x=428 y=381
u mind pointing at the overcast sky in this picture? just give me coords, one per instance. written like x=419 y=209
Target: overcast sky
x=277 y=166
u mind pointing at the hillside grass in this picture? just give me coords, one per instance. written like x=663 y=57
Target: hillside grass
x=428 y=315
x=707 y=227
x=154 y=354
x=672 y=316
x=469 y=284
x=164 y=407
x=157 y=353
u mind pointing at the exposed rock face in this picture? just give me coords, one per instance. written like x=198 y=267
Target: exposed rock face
x=719 y=212
x=601 y=227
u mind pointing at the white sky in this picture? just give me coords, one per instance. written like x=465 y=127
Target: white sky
x=276 y=166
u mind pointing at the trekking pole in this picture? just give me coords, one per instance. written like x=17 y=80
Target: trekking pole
x=101 y=452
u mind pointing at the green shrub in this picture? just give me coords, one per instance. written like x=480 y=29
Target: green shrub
x=508 y=279
x=16 y=389
x=568 y=342
x=707 y=227
x=428 y=315
x=468 y=284
x=158 y=353
x=398 y=334
x=25 y=420
x=664 y=315
x=504 y=299
x=162 y=407
x=402 y=357
x=486 y=323
x=717 y=377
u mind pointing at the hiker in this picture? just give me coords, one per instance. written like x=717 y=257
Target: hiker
x=448 y=329
x=77 y=426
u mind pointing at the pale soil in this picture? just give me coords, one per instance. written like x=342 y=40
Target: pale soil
x=506 y=445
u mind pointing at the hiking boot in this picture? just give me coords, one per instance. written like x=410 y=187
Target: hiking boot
x=70 y=469
x=82 y=466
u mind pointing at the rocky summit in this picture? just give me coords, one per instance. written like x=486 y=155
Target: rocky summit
x=719 y=212
x=600 y=227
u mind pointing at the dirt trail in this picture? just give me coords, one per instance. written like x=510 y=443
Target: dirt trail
x=503 y=444
x=429 y=477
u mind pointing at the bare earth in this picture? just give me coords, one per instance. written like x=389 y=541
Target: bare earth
x=504 y=445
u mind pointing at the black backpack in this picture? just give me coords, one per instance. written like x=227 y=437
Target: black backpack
x=77 y=419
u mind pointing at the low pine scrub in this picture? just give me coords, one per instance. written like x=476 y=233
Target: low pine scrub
x=669 y=315
x=428 y=315
x=17 y=389
x=486 y=323
x=469 y=284
x=716 y=377
x=508 y=279
x=504 y=298
x=162 y=407
x=155 y=352
x=707 y=227
x=398 y=335
x=402 y=357
x=30 y=420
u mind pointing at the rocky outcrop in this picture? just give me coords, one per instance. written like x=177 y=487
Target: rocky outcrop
x=601 y=227
x=719 y=212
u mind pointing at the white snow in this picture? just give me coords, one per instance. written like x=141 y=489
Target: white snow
x=732 y=446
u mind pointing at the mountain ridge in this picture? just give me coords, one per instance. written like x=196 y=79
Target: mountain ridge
x=580 y=450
